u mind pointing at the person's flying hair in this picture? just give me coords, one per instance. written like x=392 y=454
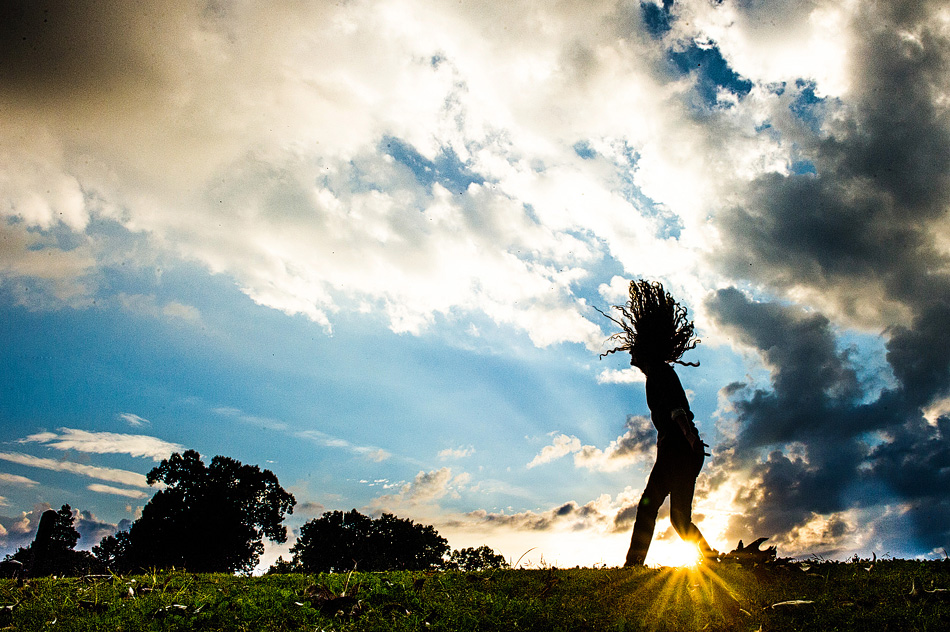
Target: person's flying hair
x=654 y=326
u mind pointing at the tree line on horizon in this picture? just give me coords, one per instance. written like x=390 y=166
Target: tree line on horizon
x=214 y=518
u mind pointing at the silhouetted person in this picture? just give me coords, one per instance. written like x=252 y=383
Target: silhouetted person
x=657 y=333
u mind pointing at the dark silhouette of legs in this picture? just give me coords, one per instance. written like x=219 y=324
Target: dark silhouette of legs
x=674 y=475
x=681 y=509
x=653 y=496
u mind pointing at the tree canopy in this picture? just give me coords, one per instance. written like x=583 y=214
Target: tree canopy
x=340 y=541
x=206 y=519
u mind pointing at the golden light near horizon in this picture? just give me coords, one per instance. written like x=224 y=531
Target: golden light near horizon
x=591 y=547
x=673 y=552
x=668 y=549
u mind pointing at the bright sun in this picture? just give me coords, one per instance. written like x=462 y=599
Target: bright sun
x=674 y=552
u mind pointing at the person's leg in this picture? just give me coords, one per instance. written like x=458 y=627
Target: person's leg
x=653 y=496
x=682 y=487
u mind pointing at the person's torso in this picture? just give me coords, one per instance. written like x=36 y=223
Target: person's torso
x=664 y=395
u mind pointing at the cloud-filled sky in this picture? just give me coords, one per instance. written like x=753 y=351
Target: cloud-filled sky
x=360 y=244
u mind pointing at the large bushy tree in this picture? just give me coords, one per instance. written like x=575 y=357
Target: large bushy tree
x=206 y=519
x=340 y=541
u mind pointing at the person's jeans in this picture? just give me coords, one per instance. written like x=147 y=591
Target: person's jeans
x=674 y=475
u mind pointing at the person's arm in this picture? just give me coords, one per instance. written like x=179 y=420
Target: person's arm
x=682 y=421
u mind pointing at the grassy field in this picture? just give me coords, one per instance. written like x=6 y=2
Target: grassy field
x=825 y=596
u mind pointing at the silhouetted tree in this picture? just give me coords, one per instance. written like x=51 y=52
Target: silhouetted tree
x=114 y=552
x=52 y=551
x=480 y=559
x=207 y=519
x=340 y=541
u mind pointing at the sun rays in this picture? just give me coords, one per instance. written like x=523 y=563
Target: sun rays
x=687 y=593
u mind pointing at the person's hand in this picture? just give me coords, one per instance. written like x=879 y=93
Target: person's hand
x=698 y=445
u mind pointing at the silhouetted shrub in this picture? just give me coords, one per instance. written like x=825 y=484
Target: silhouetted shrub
x=340 y=541
x=475 y=559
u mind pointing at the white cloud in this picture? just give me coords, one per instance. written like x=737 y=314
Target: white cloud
x=620 y=376
x=106 y=443
x=318 y=437
x=134 y=420
x=423 y=491
x=148 y=305
x=312 y=215
x=781 y=41
x=13 y=479
x=252 y=420
x=456 y=453
x=634 y=445
x=116 y=491
x=321 y=438
x=174 y=309
x=31 y=261
x=603 y=515
x=561 y=446
x=378 y=455
x=123 y=477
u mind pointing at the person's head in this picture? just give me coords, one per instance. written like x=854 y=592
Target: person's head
x=654 y=326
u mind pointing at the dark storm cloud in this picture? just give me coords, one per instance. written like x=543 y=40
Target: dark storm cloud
x=900 y=137
x=811 y=444
x=812 y=403
x=54 y=49
x=859 y=239
x=883 y=175
x=920 y=354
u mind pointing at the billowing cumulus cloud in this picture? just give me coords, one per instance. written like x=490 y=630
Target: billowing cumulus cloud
x=858 y=240
x=409 y=178
x=424 y=490
x=562 y=445
x=633 y=445
x=622 y=376
x=17 y=531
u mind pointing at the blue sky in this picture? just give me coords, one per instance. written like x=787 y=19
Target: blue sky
x=361 y=246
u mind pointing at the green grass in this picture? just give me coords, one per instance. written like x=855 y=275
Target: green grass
x=845 y=596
